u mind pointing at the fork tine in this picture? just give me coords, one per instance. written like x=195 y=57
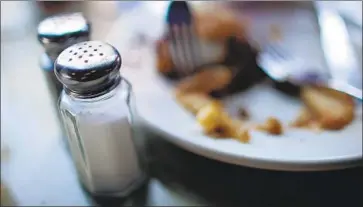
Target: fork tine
x=172 y=46
x=270 y=51
x=278 y=51
x=181 y=51
x=188 y=48
x=197 y=55
x=175 y=48
x=195 y=52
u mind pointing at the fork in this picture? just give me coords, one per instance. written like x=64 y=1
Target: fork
x=278 y=65
x=182 y=38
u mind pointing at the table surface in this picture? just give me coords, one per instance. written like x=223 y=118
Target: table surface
x=37 y=169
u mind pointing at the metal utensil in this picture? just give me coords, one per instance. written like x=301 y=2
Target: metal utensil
x=279 y=65
x=181 y=37
x=338 y=50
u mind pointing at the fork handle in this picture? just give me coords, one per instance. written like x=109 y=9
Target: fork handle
x=344 y=87
x=316 y=79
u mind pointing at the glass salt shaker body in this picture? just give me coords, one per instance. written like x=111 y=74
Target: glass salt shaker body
x=99 y=115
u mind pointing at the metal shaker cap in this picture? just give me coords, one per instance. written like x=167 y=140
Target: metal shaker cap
x=89 y=68
x=58 y=32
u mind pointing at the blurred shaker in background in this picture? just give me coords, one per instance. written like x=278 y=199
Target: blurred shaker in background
x=98 y=112
x=55 y=34
x=7 y=198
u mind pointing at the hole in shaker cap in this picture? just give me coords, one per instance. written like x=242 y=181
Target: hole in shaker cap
x=85 y=51
x=70 y=51
x=75 y=53
x=86 y=61
x=80 y=56
x=70 y=59
x=99 y=45
x=101 y=54
x=95 y=50
x=89 y=46
x=91 y=55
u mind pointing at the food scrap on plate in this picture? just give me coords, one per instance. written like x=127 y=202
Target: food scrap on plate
x=230 y=66
x=325 y=109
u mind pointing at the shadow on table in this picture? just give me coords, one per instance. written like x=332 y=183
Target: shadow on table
x=229 y=185
x=137 y=198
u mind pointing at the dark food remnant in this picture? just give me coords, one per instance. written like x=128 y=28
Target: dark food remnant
x=220 y=131
x=243 y=114
x=241 y=56
x=307 y=78
x=172 y=75
x=287 y=88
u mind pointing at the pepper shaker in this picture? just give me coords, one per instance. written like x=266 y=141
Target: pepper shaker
x=56 y=33
x=98 y=112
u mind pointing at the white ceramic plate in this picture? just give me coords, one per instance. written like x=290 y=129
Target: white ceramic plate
x=296 y=150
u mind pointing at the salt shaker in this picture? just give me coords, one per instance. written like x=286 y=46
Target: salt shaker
x=56 y=33
x=98 y=112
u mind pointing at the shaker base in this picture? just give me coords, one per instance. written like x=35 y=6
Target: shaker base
x=118 y=195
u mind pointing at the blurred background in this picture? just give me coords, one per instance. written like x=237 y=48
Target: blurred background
x=31 y=132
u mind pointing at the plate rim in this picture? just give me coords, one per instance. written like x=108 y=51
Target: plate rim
x=266 y=164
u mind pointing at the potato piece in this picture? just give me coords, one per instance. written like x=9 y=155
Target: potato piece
x=332 y=109
x=271 y=126
x=315 y=126
x=303 y=119
x=194 y=102
x=243 y=136
x=192 y=94
x=216 y=122
x=210 y=117
x=206 y=81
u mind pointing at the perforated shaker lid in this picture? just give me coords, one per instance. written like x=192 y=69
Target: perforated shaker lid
x=58 y=29
x=87 y=68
